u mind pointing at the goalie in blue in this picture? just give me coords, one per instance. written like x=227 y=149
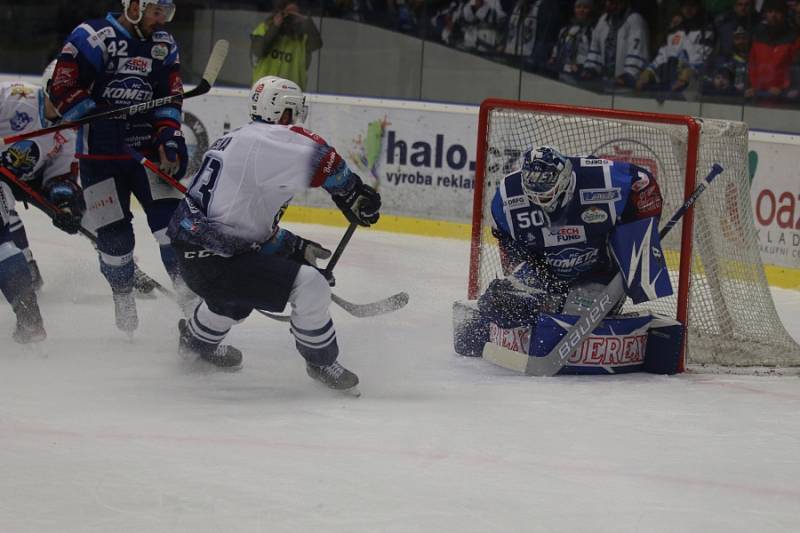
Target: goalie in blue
x=565 y=225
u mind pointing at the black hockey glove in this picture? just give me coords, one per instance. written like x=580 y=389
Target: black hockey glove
x=360 y=204
x=68 y=197
x=172 y=152
x=307 y=252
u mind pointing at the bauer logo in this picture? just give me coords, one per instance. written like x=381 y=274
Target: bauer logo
x=128 y=90
x=136 y=65
x=594 y=215
x=564 y=235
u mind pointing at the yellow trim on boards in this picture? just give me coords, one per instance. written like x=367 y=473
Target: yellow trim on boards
x=784 y=277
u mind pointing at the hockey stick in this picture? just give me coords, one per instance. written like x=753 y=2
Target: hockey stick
x=50 y=210
x=214 y=65
x=550 y=364
x=387 y=305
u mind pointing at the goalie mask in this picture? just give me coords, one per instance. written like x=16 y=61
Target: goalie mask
x=168 y=7
x=547 y=177
x=271 y=96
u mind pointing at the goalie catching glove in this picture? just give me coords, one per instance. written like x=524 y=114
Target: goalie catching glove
x=360 y=204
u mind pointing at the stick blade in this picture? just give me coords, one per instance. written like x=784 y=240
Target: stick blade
x=520 y=362
x=216 y=60
x=387 y=305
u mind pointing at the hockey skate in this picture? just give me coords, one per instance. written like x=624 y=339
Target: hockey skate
x=125 y=312
x=220 y=355
x=30 y=327
x=334 y=376
x=36 y=276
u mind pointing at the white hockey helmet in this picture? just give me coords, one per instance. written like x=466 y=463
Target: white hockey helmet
x=271 y=96
x=167 y=5
x=47 y=75
x=547 y=177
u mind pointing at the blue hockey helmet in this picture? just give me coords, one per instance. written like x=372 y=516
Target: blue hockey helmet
x=547 y=177
x=168 y=7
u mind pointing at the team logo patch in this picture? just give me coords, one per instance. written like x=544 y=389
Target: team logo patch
x=20 y=120
x=21 y=157
x=600 y=196
x=159 y=51
x=136 y=65
x=594 y=215
x=564 y=235
x=22 y=91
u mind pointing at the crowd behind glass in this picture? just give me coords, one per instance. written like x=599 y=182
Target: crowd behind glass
x=737 y=50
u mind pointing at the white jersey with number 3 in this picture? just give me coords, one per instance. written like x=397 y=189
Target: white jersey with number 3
x=249 y=176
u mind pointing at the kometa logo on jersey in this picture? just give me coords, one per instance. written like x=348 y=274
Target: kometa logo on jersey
x=21 y=157
x=564 y=235
x=571 y=260
x=136 y=65
x=128 y=90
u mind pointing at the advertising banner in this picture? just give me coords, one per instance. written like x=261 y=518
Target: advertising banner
x=775 y=192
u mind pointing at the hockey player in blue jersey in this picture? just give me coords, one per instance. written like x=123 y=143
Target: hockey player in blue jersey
x=233 y=252
x=46 y=164
x=553 y=219
x=121 y=60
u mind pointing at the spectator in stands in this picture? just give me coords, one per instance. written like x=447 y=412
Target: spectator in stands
x=728 y=72
x=282 y=44
x=774 y=50
x=532 y=31
x=742 y=15
x=445 y=23
x=572 y=46
x=482 y=22
x=794 y=20
x=683 y=57
x=619 y=49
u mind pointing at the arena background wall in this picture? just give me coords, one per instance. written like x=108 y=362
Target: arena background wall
x=421 y=157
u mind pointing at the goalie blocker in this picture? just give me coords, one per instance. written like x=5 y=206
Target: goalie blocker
x=629 y=343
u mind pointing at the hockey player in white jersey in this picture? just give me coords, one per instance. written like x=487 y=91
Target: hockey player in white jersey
x=233 y=253
x=47 y=164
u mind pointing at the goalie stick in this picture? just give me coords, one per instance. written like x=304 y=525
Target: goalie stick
x=51 y=209
x=387 y=305
x=214 y=65
x=550 y=364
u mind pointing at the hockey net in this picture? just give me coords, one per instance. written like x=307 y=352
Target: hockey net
x=721 y=291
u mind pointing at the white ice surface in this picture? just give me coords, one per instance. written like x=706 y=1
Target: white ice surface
x=98 y=434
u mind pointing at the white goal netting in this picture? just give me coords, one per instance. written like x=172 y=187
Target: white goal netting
x=732 y=320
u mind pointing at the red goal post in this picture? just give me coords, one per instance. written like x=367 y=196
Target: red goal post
x=716 y=267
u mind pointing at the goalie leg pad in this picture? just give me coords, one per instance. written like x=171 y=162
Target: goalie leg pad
x=470 y=329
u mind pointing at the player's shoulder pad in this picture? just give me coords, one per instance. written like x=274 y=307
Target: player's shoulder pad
x=512 y=184
x=308 y=134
